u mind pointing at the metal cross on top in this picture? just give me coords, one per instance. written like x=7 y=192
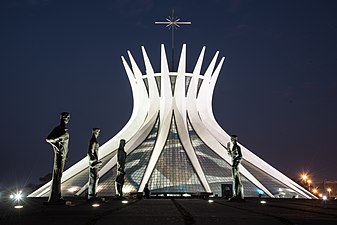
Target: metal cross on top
x=173 y=23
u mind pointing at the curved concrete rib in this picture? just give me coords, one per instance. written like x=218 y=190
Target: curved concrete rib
x=151 y=103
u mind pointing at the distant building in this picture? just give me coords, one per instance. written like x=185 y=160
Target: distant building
x=173 y=141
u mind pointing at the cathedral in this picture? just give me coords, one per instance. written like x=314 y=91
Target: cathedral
x=173 y=141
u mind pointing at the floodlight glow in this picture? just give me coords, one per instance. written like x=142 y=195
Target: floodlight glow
x=260 y=192
x=68 y=203
x=210 y=201
x=127 y=189
x=99 y=188
x=304 y=177
x=124 y=201
x=95 y=205
x=173 y=195
x=263 y=202
x=18 y=206
x=11 y=196
x=325 y=198
x=18 y=196
x=73 y=189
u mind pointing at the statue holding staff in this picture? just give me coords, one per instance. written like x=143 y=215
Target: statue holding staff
x=234 y=151
x=59 y=139
x=94 y=164
x=121 y=158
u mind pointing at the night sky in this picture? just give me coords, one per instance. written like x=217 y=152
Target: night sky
x=277 y=89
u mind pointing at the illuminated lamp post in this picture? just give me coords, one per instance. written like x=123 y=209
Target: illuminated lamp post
x=309 y=183
x=17 y=197
x=304 y=178
x=329 y=190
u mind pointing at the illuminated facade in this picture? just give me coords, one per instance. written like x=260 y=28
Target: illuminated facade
x=173 y=140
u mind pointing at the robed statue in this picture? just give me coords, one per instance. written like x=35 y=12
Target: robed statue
x=94 y=164
x=121 y=157
x=58 y=138
x=234 y=151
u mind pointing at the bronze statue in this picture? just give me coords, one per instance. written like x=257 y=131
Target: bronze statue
x=234 y=151
x=58 y=138
x=121 y=157
x=94 y=164
x=147 y=191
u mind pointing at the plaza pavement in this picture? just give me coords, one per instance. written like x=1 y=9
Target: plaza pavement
x=171 y=211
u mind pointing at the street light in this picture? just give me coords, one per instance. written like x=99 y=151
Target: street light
x=309 y=182
x=329 y=190
x=314 y=190
x=304 y=177
x=17 y=197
